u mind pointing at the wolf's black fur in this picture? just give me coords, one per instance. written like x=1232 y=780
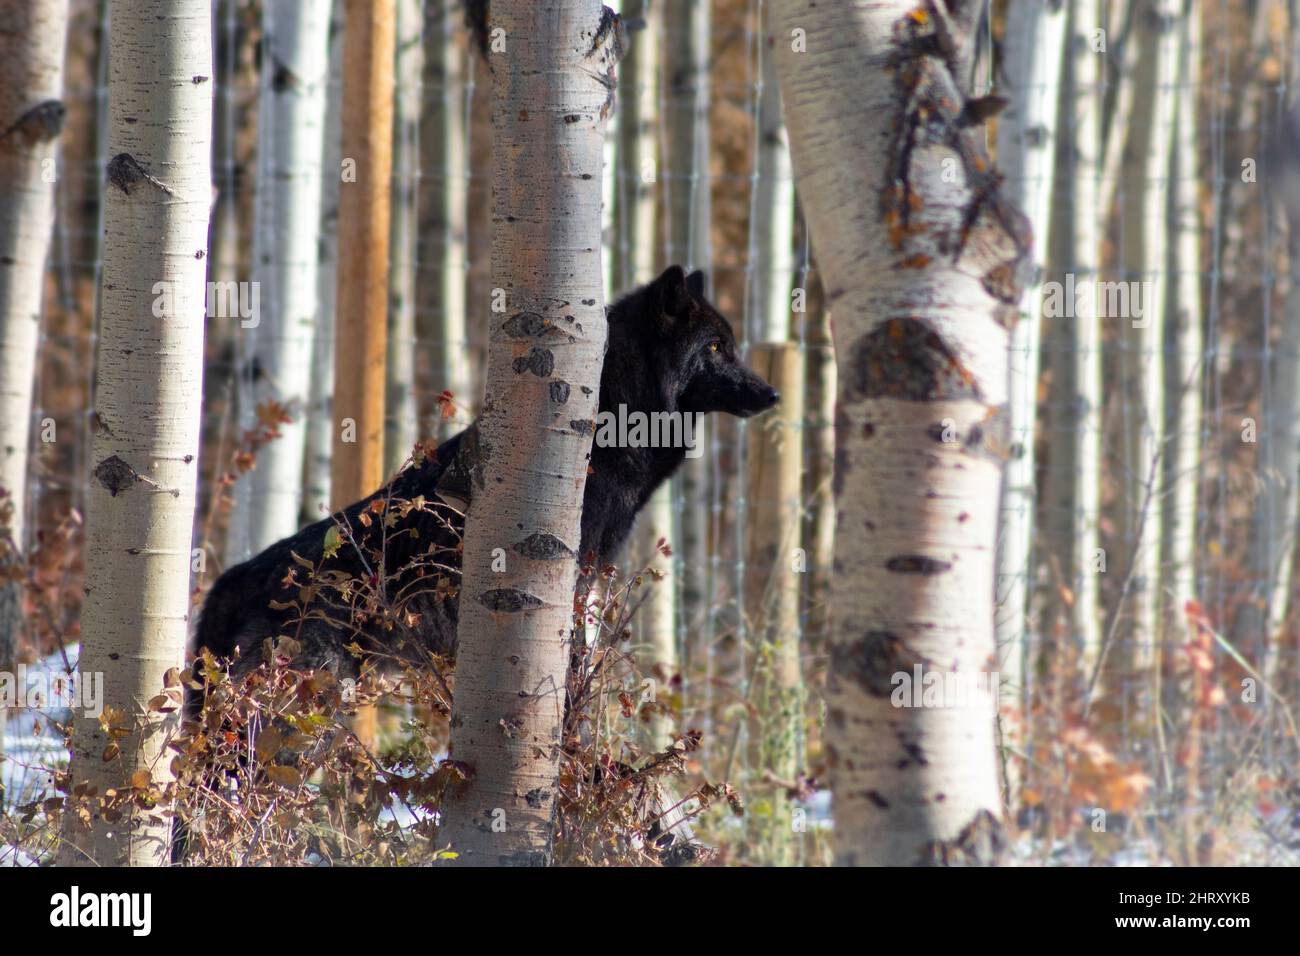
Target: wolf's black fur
x=669 y=350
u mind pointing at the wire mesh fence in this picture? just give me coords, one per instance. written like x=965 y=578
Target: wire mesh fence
x=1157 y=445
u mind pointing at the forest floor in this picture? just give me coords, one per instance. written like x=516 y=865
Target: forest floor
x=1263 y=834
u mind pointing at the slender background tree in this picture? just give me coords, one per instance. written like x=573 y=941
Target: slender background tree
x=291 y=143
x=31 y=119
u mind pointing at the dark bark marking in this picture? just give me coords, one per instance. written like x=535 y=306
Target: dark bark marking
x=608 y=46
x=915 y=755
x=905 y=358
x=40 y=124
x=982 y=842
x=541 y=546
x=917 y=564
x=541 y=362
x=559 y=392
x=124 y=172
x=283 y=80
x=929 y=65
x=840 y=467
x=872 y=661
x=529 y=325
x=1002 y=283
x=116 y=475
x=509 y=600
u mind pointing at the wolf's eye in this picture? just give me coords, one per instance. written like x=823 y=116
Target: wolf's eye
x=715 y=345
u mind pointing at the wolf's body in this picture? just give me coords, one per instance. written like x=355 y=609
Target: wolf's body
x=669 y=351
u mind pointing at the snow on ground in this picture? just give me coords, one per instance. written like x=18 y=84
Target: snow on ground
x=32 y=746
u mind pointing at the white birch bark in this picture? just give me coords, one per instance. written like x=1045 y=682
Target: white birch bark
x=147 y=405
x=772 y=585
x=1072 y=486
x=1144 y=221
x=320 y=423
x=923 y=311
x=1033 y=48
x=223 y=259
x=1257 y=627
x=773 y=207
x=548 y=117
x=401 y=419
x=286 y=254
x=444 y=229
x=31 y=119
x=819 y=452
x=637 y=152
x=687 y=211
x=1185 y=351
x=635 y=248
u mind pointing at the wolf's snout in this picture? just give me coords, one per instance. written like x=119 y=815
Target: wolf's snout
x=756 y=398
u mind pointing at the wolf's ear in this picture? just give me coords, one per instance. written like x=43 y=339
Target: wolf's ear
x=695 y=283
x=671 y=290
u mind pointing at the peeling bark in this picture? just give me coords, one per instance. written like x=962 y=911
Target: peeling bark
x=876 y=119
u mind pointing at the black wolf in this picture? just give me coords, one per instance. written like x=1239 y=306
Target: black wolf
x=669 y=350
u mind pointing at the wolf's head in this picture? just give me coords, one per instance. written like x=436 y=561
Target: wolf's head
x=702 y=368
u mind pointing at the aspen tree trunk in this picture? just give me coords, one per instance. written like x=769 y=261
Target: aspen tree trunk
x=147 y=407
x=548 y=118
x=688 y=214
x=444 y=226
x=637 y=158
x=223 y=263
x=772 y=586
x=286 y=253
x=320 y=423
x=478 y=226
x=361 y=318
x=369 y=42
x=1072 y=486
x=635 y=230
x=1144 y=221
x=1184 y=373
x=400 y=431
x=1249 y=114
x=773 y=227
x=79 y=194
x=819 y=453
x=923 y=310
x=31 y=118
x=775 y=478
x=1033 y=47
x=1282 y=668
x=1259 y=625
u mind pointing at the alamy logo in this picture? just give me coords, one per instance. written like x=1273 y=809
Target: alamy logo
x=74 y=909
x=1104 y=300
x=39 y=689
x=223 y=300
x=624 y=429
x=944 y=690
